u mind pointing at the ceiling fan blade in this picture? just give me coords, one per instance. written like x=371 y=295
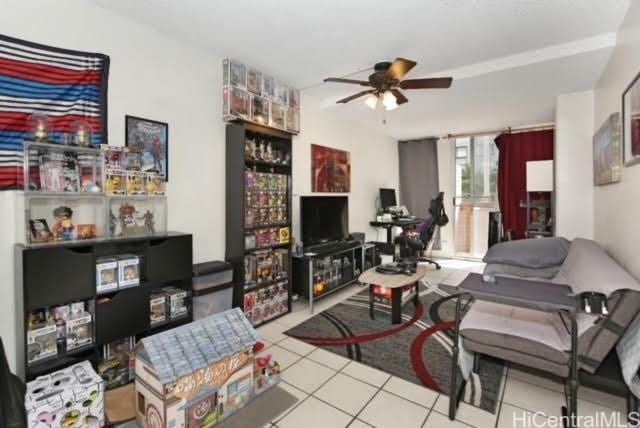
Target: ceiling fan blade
x=353 y=97
x=434 y=83
x=399 y=68
x=400 y=98
x=340 y=80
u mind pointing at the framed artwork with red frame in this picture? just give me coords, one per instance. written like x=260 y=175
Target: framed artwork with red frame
x=330 y=170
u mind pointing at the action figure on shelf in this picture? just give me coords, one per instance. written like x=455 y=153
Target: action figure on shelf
x=112 y=224
x=287 y=159
x=63 y=228
x=269 y=153
x=149 y=223
x=261 y=151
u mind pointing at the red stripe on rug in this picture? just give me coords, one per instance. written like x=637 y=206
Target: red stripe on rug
x=341 y=341
x=416 y=355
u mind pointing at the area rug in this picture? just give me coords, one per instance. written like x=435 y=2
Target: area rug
x=418 y=350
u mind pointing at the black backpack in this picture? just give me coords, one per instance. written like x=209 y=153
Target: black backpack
x=12 y=390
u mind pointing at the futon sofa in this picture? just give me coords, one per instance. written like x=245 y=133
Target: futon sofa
x=542 y=340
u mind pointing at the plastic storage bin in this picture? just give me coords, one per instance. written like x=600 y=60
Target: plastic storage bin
x=212 y=290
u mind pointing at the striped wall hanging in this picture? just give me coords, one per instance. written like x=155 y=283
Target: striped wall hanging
x=65 y=85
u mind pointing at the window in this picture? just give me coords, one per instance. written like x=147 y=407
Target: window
x=477 y=169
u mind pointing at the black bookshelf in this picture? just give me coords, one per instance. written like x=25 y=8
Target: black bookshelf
x=237 y=164
x=53 y=275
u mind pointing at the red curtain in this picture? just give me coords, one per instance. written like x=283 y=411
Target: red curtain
x=516 y=149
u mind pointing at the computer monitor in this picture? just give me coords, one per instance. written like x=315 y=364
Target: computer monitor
x=388 y=198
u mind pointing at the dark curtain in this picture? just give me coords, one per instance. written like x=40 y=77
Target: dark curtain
x=419 y=176
x=516 y=149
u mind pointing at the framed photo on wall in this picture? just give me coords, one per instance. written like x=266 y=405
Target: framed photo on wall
x=607 y=152
x=631 y=122
x=330 y=170
x=152 y=139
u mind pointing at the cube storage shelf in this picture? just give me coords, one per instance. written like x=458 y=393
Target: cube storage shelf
x=52 y=275
x=258 y=219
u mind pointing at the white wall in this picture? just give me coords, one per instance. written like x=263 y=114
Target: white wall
x=374 y=164
x=157 y=77
x=617 y=206
x=573 y=165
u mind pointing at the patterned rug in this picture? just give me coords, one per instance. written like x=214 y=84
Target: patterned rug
x=418 y=350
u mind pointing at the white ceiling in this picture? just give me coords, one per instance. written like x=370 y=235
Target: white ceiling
x=509 y=58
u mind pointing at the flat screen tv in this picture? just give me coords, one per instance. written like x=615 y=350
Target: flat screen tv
x=324 y=219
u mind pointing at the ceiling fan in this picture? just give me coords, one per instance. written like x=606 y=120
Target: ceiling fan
x=386 y=82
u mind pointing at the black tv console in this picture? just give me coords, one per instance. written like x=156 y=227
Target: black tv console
x=322 y=269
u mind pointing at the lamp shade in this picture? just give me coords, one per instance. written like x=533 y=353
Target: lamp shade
x=540 y=176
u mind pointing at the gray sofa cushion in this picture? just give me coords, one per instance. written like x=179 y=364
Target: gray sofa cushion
x=529 y=253
x=521 y=272
x=589 y=268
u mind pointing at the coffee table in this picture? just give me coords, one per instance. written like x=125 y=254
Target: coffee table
x=395 y=283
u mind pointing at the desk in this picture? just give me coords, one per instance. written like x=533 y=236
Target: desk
x=389 y=225
x=395 y=283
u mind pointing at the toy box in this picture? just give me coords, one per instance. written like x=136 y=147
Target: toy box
x=116 y=182
x=73 y=397
x=42 y=342
x=106 y=275
x=60 y=315
x=76 y=308
x=176 y=301
x=117 y=365
x=128 y=270
x=158 y=308
x=198 y=374
x=136 y=183
x=79 y=331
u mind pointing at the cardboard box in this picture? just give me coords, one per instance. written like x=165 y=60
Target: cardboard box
x=79 y=331
x=129 y=270
x=41 y=342
x=106 y=275
x=72 y=397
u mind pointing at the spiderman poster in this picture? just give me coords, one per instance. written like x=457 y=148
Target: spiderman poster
x=330 y=170
x=152 y=139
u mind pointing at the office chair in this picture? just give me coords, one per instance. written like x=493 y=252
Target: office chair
x=414 y=242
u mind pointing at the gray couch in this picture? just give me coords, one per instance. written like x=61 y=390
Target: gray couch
x=542 y=340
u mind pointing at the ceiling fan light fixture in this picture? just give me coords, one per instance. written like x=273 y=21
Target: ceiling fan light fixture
x=371 y=101
x=389 y=100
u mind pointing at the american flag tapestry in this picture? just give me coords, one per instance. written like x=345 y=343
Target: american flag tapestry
x=65 y=85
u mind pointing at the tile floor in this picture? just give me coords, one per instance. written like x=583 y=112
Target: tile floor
x=332 y=391
x=325 y=390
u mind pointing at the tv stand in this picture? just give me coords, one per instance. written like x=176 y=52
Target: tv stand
x=323 y=269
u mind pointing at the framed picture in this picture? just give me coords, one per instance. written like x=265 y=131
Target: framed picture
x=631 y=122
x=151 y=138
x=330 y=170
x=607 y=152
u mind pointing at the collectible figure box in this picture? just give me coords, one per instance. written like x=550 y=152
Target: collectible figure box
x=128 y=270
x=136 y=185
x=73 y=397
x=176 y=301
x=158 y=308
x=79 y=331
x=42 y=342
x=106 y=275
x=117 y=365
x=116 y=182
x=156 y=184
